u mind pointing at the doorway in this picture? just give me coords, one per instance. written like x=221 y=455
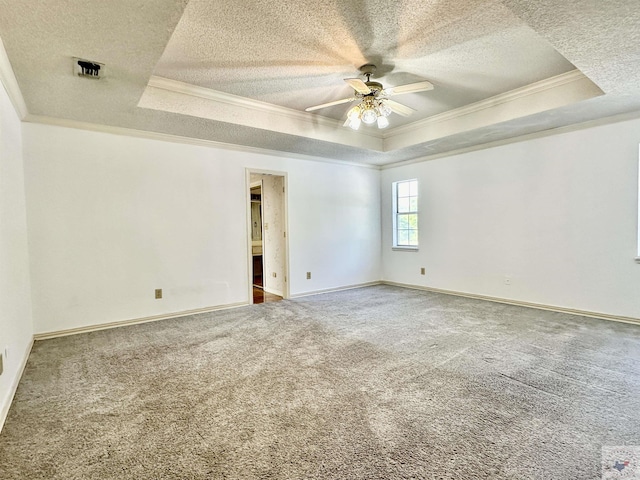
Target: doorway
x=268 y=243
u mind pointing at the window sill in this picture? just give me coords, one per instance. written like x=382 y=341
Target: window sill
x=404 y=249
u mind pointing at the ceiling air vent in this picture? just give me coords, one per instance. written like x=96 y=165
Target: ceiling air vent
x=88 y=68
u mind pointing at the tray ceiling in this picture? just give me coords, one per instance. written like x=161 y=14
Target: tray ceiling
x=242 y=72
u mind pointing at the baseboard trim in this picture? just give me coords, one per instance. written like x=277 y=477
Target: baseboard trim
x=539 y=306
x=336 y=289
x=134 y=321
x=4 y=412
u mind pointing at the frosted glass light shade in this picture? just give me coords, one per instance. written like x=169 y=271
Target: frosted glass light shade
x=384 y=110
x=369 y=116
x=354 y=112
x=354 y=123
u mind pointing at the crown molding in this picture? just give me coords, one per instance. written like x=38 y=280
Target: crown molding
x=8 y=79
x=549 y=94
x=598 y=122
x=184 y=99
x=238 y=101
x=502 y=98
x=166 y=137
x=264 y=107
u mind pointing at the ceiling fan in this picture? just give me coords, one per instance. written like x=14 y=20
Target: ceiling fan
x=374 y=104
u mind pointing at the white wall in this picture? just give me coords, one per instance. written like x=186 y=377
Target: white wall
x=112 y=217
x=16 y=326
x=556 y=214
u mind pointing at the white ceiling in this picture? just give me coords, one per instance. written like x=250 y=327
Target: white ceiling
x=242 y=72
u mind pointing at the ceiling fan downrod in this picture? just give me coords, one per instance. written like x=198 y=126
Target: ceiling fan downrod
x=367 y=71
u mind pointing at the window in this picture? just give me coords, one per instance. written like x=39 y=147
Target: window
x=405 y=214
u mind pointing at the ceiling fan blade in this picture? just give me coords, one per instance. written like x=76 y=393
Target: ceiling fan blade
x=358 y=85
x=409 y=88
x=330 y=104
x=399 y=108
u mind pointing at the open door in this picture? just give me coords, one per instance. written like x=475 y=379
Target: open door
x=267 y=232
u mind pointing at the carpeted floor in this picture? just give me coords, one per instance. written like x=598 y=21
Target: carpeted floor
x=372 y=383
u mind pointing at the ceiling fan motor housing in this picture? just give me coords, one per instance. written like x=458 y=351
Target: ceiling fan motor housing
x=368 y=69
x=375 y=87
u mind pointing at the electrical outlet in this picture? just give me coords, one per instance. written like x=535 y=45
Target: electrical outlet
x=422 y=271
x=308 y=275
x=507 y=280
x=158 y=293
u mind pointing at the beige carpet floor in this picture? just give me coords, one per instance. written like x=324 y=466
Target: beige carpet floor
x=372 y=383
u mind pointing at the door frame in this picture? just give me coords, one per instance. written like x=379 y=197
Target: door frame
x=285 y=206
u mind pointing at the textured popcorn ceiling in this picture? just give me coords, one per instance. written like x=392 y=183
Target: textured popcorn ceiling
x=295 y=54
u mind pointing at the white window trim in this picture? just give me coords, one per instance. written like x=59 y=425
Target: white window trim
x=394 y=202
x=413 y=249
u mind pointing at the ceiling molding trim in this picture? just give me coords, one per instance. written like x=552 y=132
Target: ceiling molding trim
x=537 y=87
x=238 y=101
x=598 y=122
x=8 y=79
x=185 y=99
x=178 y=97
x=548 y=94
x=166 y=137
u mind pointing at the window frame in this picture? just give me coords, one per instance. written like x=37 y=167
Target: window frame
x=396 y=214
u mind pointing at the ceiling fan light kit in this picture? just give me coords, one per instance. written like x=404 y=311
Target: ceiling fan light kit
x=374 y=106
x=383 y=122
x=369 y=111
